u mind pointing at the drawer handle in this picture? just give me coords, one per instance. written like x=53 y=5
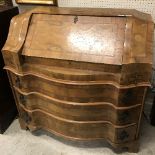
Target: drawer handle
x=17 y=81
x=22 y=99
x=123 y=135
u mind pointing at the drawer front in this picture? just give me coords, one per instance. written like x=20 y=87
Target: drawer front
x=125 y=75
x=82 y=130
x=79 y=112
x=89 y=93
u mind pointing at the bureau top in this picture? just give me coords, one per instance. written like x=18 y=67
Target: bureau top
x=110 y=36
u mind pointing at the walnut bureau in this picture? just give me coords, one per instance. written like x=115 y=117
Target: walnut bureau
x=81 y=74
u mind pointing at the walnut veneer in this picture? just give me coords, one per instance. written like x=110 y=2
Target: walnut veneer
x=81 y=73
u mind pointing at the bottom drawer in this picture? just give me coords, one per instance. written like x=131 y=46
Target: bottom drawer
x=82 y=130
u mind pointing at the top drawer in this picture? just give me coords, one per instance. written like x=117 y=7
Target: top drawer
x=87 y=93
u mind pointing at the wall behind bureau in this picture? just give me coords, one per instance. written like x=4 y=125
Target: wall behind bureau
x=147 y=6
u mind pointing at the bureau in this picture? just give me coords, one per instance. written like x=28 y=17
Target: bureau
x=81 y=74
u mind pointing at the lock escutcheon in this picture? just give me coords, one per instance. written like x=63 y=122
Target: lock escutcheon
x=75 y=19
x=123 y=135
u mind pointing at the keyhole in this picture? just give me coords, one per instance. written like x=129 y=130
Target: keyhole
x=75 y=19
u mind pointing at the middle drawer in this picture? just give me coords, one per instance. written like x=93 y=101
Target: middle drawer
x=100 y=111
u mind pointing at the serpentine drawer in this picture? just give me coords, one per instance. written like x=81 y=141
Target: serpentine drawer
x=78 y=92
x=78 y=129
x=99 y=111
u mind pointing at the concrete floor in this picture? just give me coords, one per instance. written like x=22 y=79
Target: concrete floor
x=19 y=142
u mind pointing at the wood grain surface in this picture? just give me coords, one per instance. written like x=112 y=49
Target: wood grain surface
x=79 y=129
x=81 y=74
x=83 y=93
x=100 y=111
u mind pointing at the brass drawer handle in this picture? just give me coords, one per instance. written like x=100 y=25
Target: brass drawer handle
x=123 y=135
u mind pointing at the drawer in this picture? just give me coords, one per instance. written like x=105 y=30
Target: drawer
x=82 y=130
x=88 y=93
x=68 y=73
x=125 y=75
x=77 y=111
